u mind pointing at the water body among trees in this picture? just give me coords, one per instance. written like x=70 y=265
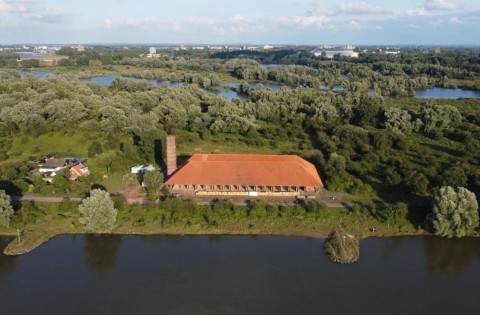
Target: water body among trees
x=437 y=92
x=218 y=274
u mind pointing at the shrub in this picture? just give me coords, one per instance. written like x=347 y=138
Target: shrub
x=342 y=247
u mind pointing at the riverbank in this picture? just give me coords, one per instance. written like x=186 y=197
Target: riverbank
x=41 y=221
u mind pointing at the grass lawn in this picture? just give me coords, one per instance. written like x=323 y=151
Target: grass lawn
x=115 y=182
x=231 y=143
x=72 y=143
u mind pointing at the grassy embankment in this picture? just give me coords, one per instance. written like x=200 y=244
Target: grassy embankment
x=41 y=221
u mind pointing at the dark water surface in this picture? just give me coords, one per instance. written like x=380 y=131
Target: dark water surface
x=240 y=275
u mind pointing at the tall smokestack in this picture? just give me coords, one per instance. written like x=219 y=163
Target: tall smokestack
x=171 y=154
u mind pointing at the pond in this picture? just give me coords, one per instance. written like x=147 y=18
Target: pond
x=446 y=93
x=229 y=94
x=334 y=88
x=32 y=56
x=41 y=74
x=77 y=274
x=268 y=85
x=107 y=80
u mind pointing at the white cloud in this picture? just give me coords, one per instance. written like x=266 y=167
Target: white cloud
x=419 y=11
x=303 y=21
x=216 y=26
x=14 y=6
x=435 y=7
x=353 y=25
x=31 y=10
x=108 y=22
x=349 y=8
x=320 y=9
x=454 y=20
x=359 y=8
x=239 y=18
x=48 y=15
x=134 y=22
x=443 y=5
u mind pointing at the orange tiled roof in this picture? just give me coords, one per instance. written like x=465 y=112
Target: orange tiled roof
x=81 y=170
x=246 y=169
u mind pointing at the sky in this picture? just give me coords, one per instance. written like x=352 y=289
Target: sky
x=276 y=22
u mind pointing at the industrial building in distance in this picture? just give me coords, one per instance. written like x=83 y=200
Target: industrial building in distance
x=329 y=51
x=245 y=175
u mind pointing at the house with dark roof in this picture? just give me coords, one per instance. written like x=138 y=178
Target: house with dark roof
x=53 y=165
x=245 y=175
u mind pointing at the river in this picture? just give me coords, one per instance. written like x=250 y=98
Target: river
x=240 y=275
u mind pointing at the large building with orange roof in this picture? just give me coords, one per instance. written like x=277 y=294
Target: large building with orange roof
x=245 y=175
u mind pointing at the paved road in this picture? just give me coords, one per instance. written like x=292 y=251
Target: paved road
x=60 y=199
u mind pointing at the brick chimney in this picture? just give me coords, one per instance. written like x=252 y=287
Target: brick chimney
x=171 y=154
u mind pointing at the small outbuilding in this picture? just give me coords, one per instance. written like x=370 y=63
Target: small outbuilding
x=142 y=169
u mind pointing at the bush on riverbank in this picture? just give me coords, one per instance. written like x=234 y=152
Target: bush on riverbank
x=342 y=247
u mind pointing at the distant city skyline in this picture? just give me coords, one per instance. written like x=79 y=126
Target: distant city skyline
x=290 y=22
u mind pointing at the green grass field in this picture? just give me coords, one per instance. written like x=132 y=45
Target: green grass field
x=70 y=143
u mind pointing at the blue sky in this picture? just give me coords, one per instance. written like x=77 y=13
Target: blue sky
x=434 y=22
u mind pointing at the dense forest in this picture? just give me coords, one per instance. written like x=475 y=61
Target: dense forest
x=363 y=137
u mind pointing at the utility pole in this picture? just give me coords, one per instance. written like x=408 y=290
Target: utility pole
x=19 y=233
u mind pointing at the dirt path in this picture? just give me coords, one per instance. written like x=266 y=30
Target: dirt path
x=134 y=194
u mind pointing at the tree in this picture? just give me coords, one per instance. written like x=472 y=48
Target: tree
x=94 y=149
x=153 y=182
x=417 y=182
x=60 y=183
x=97 y=212
x=436 y=117
x=398 y=118
x=6 y=209
x=455 y=212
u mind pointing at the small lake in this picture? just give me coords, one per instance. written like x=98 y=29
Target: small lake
x=253 y=85
x=41 y=74
x=107 y=80
x=272 y=65
x=32 y=56
x=78 y=274
x=229 y=94
x=446 y=93
x=334 y=88
x=443 y=93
